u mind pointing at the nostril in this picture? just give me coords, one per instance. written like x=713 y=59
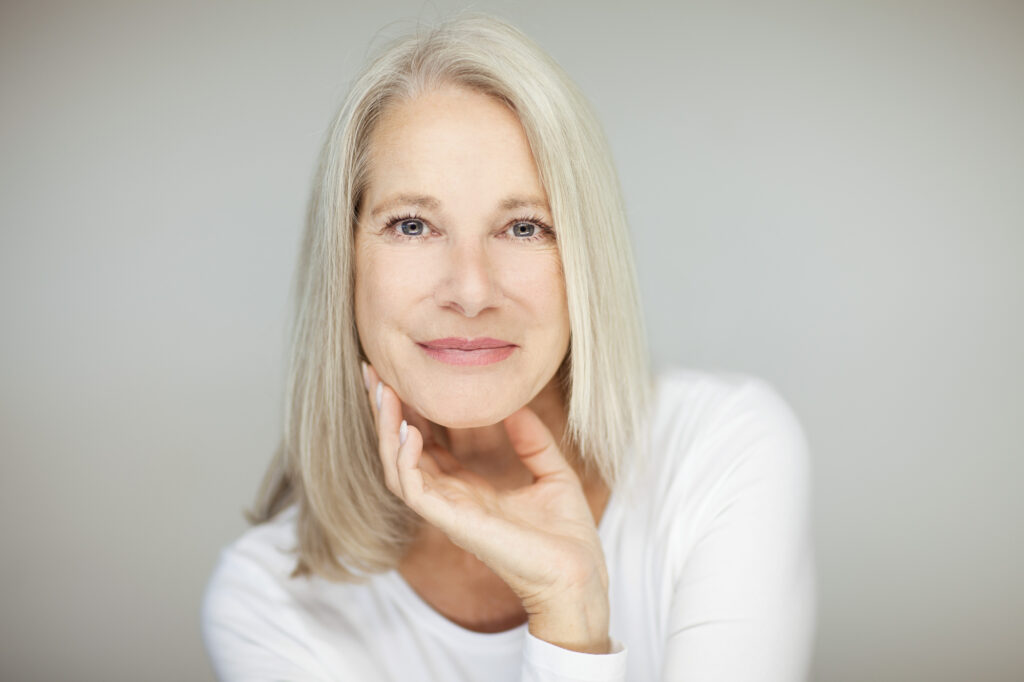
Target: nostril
x=470 y=285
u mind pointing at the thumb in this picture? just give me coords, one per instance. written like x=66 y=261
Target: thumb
x=534 y=444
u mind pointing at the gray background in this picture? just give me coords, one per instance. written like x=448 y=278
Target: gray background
x=825 y=195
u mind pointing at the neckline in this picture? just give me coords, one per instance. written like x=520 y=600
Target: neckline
x=506 y=640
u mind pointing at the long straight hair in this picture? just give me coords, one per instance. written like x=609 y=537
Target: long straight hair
x=348 y=523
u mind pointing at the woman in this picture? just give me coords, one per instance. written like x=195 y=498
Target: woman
x=479 y=480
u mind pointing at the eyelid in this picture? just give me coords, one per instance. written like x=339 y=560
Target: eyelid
x=392 y=222
x=544 y=230
x=535 y=220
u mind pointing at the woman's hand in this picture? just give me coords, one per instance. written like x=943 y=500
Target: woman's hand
x=540 y=539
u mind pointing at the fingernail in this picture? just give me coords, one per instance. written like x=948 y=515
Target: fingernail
x=380 y=393
x=366 y=375
x=403 y=433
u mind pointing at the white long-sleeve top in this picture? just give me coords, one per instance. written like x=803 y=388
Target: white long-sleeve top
x=709 y=558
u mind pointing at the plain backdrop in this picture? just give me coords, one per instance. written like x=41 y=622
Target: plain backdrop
x=826 y=195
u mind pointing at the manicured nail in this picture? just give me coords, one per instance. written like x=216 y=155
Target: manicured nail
x=403 y=433
x=366 y=375
x=380 y=393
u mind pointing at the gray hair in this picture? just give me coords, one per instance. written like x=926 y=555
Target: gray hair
x=348 y=521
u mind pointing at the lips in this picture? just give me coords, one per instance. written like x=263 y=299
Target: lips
x=468 y=352
x=458 y=343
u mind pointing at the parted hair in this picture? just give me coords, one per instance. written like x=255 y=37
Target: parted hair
x=348 y=523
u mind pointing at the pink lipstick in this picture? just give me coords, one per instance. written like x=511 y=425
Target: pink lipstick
x=462 y=351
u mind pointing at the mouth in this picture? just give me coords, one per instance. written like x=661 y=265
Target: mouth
x=461 y=351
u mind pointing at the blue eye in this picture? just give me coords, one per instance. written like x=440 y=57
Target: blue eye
x=407 y=227
x=524 y=229
x=412 y=227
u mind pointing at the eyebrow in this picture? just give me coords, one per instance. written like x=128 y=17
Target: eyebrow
x=426 y=201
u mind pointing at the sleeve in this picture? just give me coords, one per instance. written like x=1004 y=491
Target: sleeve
x=743 y=608
x=249 y=631
x=546 y=662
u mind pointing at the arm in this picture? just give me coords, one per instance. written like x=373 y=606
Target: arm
x=743 y=606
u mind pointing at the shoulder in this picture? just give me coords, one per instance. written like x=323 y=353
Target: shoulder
x=248 y=586
x=263 y=553
x=701 y=394
x=733 y=526
x=259 y=623
x=711 y=430
x=700 y=407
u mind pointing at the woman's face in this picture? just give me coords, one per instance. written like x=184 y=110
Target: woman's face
x=452 y=247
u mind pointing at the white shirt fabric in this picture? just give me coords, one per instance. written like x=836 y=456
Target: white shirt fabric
x=709 y=556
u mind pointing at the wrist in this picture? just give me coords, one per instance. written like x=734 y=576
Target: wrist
x=574 y=624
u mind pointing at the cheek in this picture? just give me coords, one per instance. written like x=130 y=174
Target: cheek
x=544 y=287
x=387 y=289
x=373 y=297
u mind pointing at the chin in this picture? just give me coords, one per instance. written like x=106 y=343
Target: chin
x=472 y=415
x=468 y=419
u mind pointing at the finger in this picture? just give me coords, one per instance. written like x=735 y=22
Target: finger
x=429 y=464
x=370 y=381
x=446 y=460
x=417 y=483
x=420 y=422
x=388 y=423
x=440 y=454
x=407 y=464
x=366 y=373
x=426 y=462
x=535 y=445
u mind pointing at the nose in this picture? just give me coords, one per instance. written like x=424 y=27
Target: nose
x=468 y=281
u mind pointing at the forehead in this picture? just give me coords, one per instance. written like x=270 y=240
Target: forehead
x=451 y=143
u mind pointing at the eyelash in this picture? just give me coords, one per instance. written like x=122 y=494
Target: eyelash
x=544 y=230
